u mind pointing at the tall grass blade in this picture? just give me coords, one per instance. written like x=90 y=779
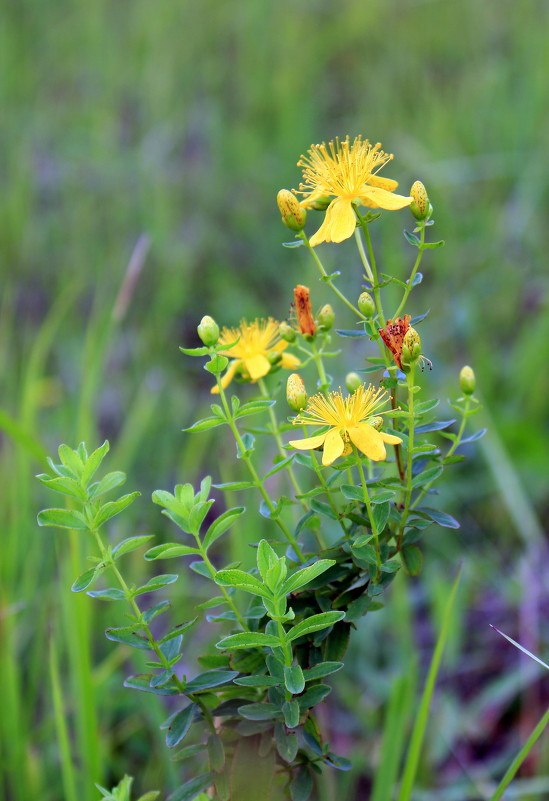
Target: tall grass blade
x=520 y=757
x=416 y=741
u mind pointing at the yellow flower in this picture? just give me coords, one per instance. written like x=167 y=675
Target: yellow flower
x=348 y=172
x=258 y=343
x=347 y=418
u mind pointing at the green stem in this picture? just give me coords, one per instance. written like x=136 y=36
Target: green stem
x=108 y=560
x=375 y=281
x=368 y=503
x=328 y=280
x=317 y=358
x=364 y=257
x=327 y=490
x=410 y=281
x=258 y=482
x=212 y=571
x=409 y=462
x=280 y=445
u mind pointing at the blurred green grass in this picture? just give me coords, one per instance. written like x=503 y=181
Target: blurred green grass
x=181 y=123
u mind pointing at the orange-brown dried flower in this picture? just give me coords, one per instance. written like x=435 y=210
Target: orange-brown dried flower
x=393 y=335
x=303 y=310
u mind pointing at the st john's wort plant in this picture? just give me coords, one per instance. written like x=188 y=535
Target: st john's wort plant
x=358 y=468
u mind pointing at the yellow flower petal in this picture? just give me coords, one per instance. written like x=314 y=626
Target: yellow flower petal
x=257 y=366
x=308 y=444
x=289 y=361
x=333 y=446
x=228 y=377
x=369 y=441
x=389 y=438
x=383 y=183
x=379 y=198
x=339 y=223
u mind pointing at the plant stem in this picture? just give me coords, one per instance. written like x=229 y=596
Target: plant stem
x=410 y=281
x=328 y=280
x=375 y=281
x=409 y=462
x=258 y=482
x=224 y=592
x=368 y=504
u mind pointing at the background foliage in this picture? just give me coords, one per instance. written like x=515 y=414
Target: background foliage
x=179 y=124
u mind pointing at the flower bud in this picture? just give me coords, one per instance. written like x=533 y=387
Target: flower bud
x=293 y=215
x=326 y=317
x=304 y=311
x=467 y=380
x=376 y=422
x=320 y=203
x=296 y=394
x=208 y=331
x=352 y=381
x=420 y=206
x=366 y=304
x=411 y=348
x=286 y=332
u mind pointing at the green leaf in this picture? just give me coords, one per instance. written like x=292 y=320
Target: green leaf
x=382 y=497
x=412 y=239
x=251 y=639
x=192 y=788
x=425 y=406
x=113 y=508
x=156 y=609
x=353 y=333
x=180 y=725
x=432 y=245
x=109 y=594
x=321 y=670
x=201 y=351
x=290 y=710
x=211 y=678
x=142 y=682
x=314 y=623
x=474 y=437
x=301 y=786
x=257 y=681
x=442 y=518
x=261 y=711
x=216 y=752
x=426 y=476
x=353 y=493
x=323 y=509
x=286 y=743
x=130 y=544
x=279 y=466
x=171 y=648
x=242 y=581
x=221 y=525
x=87 y=578
x=156 y=583
x=66 y=486
x=204 y=425
x=169 y=550
x=62 y=518
x=313 y=696
x=305 y=575
x=412 y=558
x=93 y=462
x=253 y=407
x=128 y=636
x=71 y=460
x=381 y=513
x=107 y=483
x=234 y=485
x=217 y=364
x=294 y=680
x=436 y=425
x=266 y=558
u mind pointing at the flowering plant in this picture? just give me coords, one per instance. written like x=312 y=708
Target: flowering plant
x=346 y=522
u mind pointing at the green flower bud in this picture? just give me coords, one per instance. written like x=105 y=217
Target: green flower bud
x=296 y=394
x=411 y=349
x=208 y=331
x=352 y=381
x=320 y=203
x=326 y=317
x=376 y=422
x=467 y=380
x=366 y=304
x=420 y=206
x=287 y=332
x=293 y=215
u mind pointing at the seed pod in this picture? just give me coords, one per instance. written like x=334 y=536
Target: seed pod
x=293 y=215
x=208 y=331
x=287 y=332
x=467 y=380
